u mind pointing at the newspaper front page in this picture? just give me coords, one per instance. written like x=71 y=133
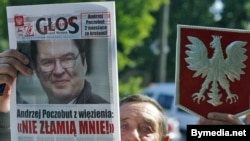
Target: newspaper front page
x=73 y=92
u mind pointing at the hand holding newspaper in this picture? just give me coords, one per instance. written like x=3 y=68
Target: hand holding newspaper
x=73 y=92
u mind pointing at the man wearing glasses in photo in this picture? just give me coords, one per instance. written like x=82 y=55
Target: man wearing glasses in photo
x=61 y=67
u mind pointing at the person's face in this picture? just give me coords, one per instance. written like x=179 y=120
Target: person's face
x=61 y=79
x=139 y=122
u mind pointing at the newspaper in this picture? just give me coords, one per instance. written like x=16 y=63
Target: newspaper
x=73 y=92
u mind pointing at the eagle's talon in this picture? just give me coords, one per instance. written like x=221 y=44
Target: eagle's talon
x=232 y=98
x=199 y=97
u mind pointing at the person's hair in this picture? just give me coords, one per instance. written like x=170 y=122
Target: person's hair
x=143 y=98
x=80 y=44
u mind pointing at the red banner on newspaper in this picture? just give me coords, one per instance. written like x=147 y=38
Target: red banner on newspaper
x=213 y=72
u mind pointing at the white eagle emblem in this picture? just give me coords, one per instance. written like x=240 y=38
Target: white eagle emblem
x=217 y=69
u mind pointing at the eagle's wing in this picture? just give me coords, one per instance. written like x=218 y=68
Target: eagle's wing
x=234 y=62
x=197 y=57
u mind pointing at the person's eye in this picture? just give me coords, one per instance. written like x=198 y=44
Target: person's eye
x=146 y=129
x=68 y=58
x=47 y=62
x=124 y=126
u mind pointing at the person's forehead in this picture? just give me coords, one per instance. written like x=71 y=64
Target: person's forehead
x=140 y=110
x=56 y=45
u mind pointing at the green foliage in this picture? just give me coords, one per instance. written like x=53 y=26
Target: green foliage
x=134 y=24
x=133 y=86
x=3 y=25
x=3 y=44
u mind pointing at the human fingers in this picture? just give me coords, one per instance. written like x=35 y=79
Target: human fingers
x=205 y=121
x=224 y=118
x=11 y=62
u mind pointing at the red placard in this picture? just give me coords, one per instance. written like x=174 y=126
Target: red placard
x=212 y=70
